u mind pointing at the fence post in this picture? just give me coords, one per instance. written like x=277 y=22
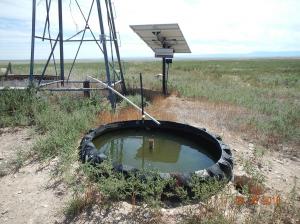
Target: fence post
x=86 y=93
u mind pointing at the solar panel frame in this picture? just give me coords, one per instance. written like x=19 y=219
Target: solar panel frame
x=162 y=36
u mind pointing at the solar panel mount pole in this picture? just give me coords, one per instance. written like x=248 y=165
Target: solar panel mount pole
x=164 y=81
x=32 y=42
x=103 y=41
x=142 y=95
x=61 y=42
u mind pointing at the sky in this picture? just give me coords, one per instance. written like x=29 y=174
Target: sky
x=211 y=27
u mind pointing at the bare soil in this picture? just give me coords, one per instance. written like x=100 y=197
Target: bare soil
x=31 y=195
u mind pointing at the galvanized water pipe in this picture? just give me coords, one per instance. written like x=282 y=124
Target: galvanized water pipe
x=125 y=98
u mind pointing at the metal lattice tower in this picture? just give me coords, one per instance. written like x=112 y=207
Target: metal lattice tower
x=106 y=42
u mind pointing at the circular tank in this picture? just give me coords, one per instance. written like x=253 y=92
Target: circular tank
x=172 y=149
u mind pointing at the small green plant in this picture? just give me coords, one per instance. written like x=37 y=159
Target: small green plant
x=145 y=215
x=204 y=189
x=75 y=206
x=80 y=202
x=14 y=164
x=213 y=218
x=253 y=172
x=19 y=160
x=136 y=99
x=259 y=152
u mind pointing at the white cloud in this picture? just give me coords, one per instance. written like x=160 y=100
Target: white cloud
x=209 y=26
x=242 y=26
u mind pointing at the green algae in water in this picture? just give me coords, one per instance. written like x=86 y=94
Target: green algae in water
x=170 y=153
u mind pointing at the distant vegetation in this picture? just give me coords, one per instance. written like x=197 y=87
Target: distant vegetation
x=268 y=89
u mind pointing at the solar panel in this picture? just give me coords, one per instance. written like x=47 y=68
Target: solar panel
x=158 y=36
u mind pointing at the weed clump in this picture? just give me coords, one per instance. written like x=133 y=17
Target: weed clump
x=147 y=186
x=62 y=124
x=58 y=120
x=20 y=108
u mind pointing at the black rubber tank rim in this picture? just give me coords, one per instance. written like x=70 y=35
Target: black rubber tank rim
x=221 y=169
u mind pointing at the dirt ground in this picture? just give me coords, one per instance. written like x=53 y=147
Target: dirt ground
x=31 y=195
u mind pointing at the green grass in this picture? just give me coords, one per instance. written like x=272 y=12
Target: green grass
x=19 y=108
x=268 y=89
x=63 y=124
x=59 y=121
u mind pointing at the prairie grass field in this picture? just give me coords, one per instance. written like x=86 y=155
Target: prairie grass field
x=269 y=89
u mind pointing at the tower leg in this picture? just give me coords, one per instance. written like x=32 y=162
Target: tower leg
x=61 y=42
x=103 y=41
x=32 y=42
x=117 y=48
